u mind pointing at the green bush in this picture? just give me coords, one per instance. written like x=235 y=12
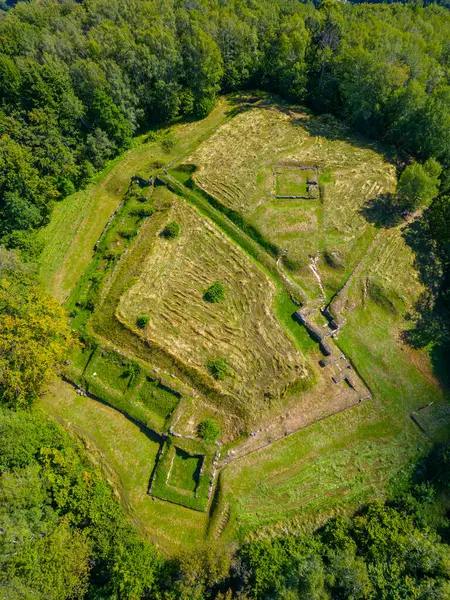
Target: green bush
x=142 y=211
x=218 y=368
x=127 y=233
x=142 y=321
x=171 y=230
x=112 y=255
x=215 y=293
x=208 y=430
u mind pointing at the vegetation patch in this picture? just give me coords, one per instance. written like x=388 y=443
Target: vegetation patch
x=296 y=182
x=185 y=470
x=160 y=398
x=144 y=276
x=171 y=230
x=218 y=368
x=125 y=385
x=243 y=329
x=208 y=430
x=235 y=167
x=215 y=293
x=142 y=321
x=127 y=455
x=185 y=473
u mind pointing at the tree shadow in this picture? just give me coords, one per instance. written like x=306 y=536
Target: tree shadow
x=418 y=237
x=332 y=128
x=383 y=211
x=431 y=312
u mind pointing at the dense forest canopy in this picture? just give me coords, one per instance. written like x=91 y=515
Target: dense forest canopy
x=63 y=536
x=77 y=82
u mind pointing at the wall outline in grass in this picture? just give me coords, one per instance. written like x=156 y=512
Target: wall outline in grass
x=296 y=182
x=166 y=484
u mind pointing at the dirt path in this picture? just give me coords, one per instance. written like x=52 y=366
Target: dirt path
x=314 y=260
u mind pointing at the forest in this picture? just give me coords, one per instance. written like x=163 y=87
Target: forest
x=78 y=81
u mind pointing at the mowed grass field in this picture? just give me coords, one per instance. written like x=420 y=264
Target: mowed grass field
x=332 y=466
x=78 y=221
x=184 y=471
x=264 y=364
x=126 y=455
x=335 y=466
x=236 y=166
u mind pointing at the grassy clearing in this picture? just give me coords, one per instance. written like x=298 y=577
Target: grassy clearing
x=337 y=465
x=126 y=455
x=241 y=329
x=195 y=411
x=235 y=165
x=285 y=309
x=293 y=182
x=161 y=399
x=185 y=471
x=125 y=385
x=399 y=376
x=78 y=221
x=334 y=465
x=330 y=468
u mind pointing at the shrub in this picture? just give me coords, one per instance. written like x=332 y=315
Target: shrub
x=215 y=293
x=142 y=321
x=89 y=305
x=158 y=164
x=419 y=184
x=204 y=106
x=168 y=142
x=218 y=368
x=127 y=232
x=142 y=211
x=208 y=430
x=171 y=230
x=112 y=255
x=132 y=370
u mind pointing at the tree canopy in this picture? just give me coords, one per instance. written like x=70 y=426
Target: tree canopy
x=34 y=334
x=78 y=80
x=419 y=184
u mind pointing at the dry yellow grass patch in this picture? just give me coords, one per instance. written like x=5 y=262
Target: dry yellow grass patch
x=236 y=165
x=242 y=329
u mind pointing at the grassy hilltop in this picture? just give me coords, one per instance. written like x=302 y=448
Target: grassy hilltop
x=295 y=447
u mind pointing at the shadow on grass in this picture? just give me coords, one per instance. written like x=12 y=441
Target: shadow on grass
x=383 y=211
x=431 y=312
x=152 y=435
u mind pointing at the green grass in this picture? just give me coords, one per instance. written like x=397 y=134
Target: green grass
x=185 y=471
x=78 y=221
x=159 y=398
x=339 y=464
x=398 y=375
x=284 y=310
x=331 y=467
x=126 y=455
x=111 y=370
x=236 y=165
x=125 y=385
x=240 y=329
x=293 y=182
x=188 y=457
